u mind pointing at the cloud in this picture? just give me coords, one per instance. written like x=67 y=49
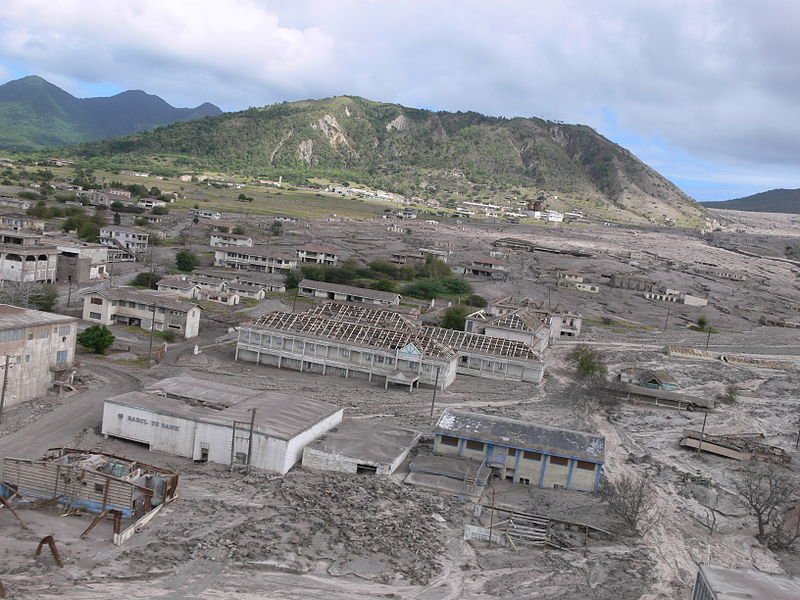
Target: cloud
x=715 y=79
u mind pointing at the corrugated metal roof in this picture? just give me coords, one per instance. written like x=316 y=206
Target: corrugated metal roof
x=741 y=584
x=520 y=434
x=14 y=317
x=350 y=290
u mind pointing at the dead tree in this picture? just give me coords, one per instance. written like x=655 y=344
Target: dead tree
x=765 y=489
x=633 y=497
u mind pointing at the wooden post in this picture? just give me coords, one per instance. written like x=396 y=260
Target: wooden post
x=5 y=386
x=435 y=387
x=702 y=433
x=250 y=439
x=491 y=521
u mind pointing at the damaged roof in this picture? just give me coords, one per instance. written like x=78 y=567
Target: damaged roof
x=741 y=584
x=520 y=434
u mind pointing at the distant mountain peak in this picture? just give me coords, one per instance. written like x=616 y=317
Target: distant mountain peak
x=34 y=113
x=779 y=200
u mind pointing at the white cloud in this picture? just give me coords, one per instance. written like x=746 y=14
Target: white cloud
x=715 y=78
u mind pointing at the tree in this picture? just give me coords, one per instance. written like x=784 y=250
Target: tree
x=702 y=323
x=455 y=317
x=292 y=279
x=185 y=260
x=632 y=497
x=117 y=218
x=97 y=338
x=147 y=280
x=588 y=363
x=765 y=489
x=238 y=230
x=276 y=228
x=160 y=210
x=44 y=297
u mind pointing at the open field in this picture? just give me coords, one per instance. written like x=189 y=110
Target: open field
x=312 y=535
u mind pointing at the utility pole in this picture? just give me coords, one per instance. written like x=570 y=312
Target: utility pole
x=666 y=321
x=250 y=439
x=702 y=433
x=435 y=387
x=152 y=333
x=69 y=293
x=708 y=337
x=3 y=393
x=491 y=520
x=296 y=292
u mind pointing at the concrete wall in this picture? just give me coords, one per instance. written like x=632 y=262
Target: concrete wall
x=28 y=266
x=294 y=450
x=31 y=359
x=171 y=435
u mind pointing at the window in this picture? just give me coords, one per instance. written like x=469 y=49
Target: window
x=559 y=460
x=171 y=326
x=99 y=488
x=241 y=458
x=531 y=455
x=95 y=316
x=97 y=301
x=447 y=440
x=585 y=465
x=511 y=451
x=30 y=336
x=12 y=335
x=27 y=358
x=345 y=352
x=379 y=359
x=474 y=445
x=43 y=333
x=61 y=356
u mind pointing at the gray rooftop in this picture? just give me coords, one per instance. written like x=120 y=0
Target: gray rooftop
x=160 y=298
x=519 y=434
x=14 y=317
x=741 y=584
x=350 y=290
x=281 y=416
x=368 y=440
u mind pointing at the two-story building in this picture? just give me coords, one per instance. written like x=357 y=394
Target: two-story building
x=316 y=254
x=80 y=262
x=125 y=243
x=38 y=347
x=138 y=308
x=24 y=259
x=223 y=240
x=262 y=259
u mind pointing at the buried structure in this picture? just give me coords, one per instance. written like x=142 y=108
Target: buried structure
x=101 y=484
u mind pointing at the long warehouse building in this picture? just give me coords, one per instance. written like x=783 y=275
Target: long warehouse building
x=357 y=341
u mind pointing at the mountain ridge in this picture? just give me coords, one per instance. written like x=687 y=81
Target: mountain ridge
x=35 y=114
x=780 y=200
x=447 y=155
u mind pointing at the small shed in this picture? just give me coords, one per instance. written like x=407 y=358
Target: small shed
x=366 y=446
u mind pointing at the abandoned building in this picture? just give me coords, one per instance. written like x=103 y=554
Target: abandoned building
x=741 y=446
x=485 y=267
x=20 y=222
x=202 y=213
x=563 y=323
x=528 y=453
x=262 y=259
x=721 y=273
x=364 y=446
x=719 y=583
x=40 y=349
x=312 y=343
x=316 y=254
x=636 y=283
x=80 y=262
x=655 y=379
x=224 y=240
x=124 y=243
x=214 y=422
x=179 y=285
x=670 y=295
x=25 y=259
x=346 y=293
x=638 y=394
x=357 y=341
x=140 y=308
x=521 y=325
x=101 y=484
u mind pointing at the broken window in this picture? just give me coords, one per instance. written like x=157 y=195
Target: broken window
x=559 y=460
x=97 y=301
x=241 y=458
x=99 y=487
x=473 y=445
x=531 y=455
x=511 y=451
x=447 y=440
x=585 y=465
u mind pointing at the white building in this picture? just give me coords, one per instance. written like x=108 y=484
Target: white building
x=668 y=295
x=316 y=254
x=151 y=203
x=210 y=422
x=719 y=583
x=202 y=213
x=24 y=259
x=138 y=308
x=264 y=260
x=180 y=285
x=127 y=242
x=563 y=323
x=346 y=293
x=39 y=346
x=223 y=240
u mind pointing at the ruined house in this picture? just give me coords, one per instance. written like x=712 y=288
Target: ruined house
x=719 y=583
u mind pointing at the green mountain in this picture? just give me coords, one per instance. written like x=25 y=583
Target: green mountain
x=774 y=201
x=36 y=114
x=448 y=156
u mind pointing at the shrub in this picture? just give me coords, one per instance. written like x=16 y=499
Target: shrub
x=455 y=317
x=97 y=338
x=185 y=260
x=147 y=280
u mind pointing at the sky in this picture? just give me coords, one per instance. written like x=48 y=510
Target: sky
x=704 y=91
